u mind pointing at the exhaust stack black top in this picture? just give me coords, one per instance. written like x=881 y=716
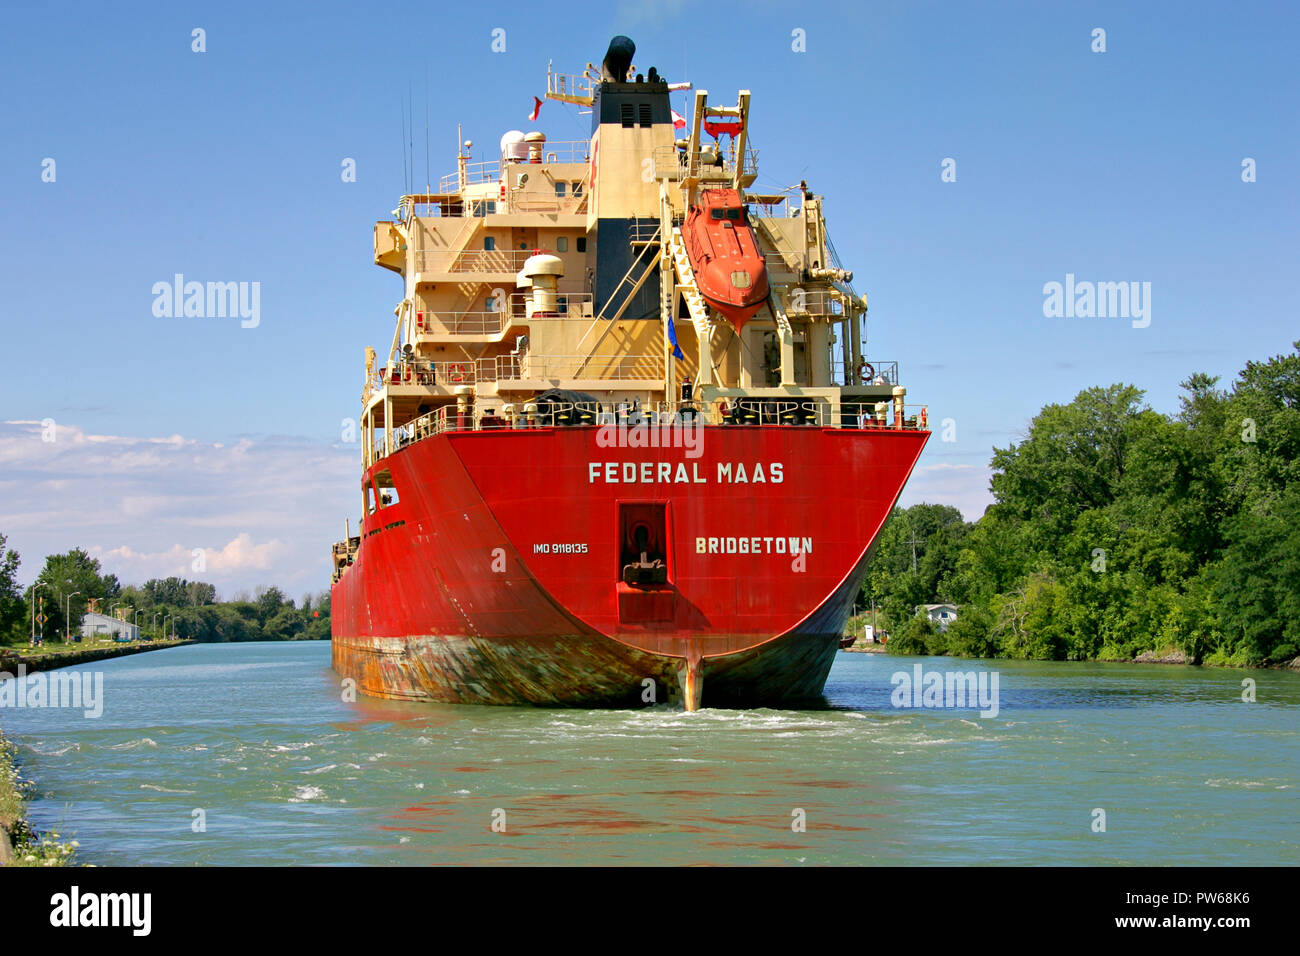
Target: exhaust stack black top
x=618 y=58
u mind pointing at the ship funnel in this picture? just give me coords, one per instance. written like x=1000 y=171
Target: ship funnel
x=618 y=59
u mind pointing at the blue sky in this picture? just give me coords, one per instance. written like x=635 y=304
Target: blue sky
x=225 y=166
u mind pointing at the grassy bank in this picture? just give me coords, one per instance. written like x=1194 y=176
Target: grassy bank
x=20 y=845
x=51 y=655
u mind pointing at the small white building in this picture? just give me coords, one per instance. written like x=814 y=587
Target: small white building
x=940 y=614
x=102 y=625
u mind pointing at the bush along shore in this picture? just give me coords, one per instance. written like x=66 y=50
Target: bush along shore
x=20 y=845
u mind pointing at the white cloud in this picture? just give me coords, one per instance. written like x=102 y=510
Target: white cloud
x=265 y=512
x=946 y=483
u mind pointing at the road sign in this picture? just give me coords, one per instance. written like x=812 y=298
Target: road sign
x=41 y=618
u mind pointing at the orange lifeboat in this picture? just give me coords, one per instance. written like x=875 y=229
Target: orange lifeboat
x=729 y=268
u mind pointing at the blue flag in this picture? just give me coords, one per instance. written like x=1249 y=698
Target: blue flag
x=672 y=339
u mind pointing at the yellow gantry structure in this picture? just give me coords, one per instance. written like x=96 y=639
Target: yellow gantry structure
x=562 y=265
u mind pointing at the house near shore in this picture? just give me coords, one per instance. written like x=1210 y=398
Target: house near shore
x=939 y=614
x=102 y=625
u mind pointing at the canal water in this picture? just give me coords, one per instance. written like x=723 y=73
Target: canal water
x=253 y=747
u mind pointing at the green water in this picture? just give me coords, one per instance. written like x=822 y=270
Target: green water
x=257 y=736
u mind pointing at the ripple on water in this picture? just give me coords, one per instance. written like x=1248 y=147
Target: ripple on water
x=657 y=785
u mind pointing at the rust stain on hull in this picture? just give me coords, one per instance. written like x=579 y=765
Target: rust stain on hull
x=580 y=671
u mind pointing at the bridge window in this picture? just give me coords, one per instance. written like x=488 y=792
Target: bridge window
x=582 y=243
x=577 y=187
x=561 y=243
x=560 y=188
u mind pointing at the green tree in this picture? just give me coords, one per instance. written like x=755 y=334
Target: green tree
x=199 y=593
x=1257 y=584
x=269 y=601
x=171 y=591
x=11 y=598
x=913 y=637
x=1073 y=459
x=76 y=575
x=284 y=625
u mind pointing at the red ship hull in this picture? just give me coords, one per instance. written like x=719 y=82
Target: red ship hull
x=500 y=575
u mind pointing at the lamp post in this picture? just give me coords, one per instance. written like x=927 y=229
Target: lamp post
x=110 y=613
x=135 y=622
x=153 y=625
x=67 y=616
x=165 y=620
x=35 y=585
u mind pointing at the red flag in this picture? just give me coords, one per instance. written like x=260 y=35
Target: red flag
x=679 y=121
x=537 y=108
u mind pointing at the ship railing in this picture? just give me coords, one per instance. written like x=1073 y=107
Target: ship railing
x=671 y=162
x=643 y=231
x=810 y=411
x=725 y=412
x=816 y=302
x=417 y=372
x=459 y=323
x=489 y=171
x=734 y=411
x=472 y=260
x=875 y=372
x=617 y=368
x=492 y=321
x=562 y=151
x=500 y=368
x=776 y=207
x=567 y=304
x=545 y=203
x=578 y=85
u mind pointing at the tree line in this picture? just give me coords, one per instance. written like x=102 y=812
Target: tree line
x=1117 y=530
x=73 y=583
